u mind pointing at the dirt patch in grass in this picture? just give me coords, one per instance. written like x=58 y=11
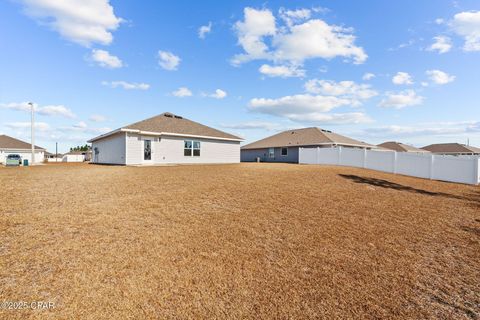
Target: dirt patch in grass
x=237 y=241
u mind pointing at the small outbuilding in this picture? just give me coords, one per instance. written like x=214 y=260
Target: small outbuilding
x=10 y=145
x=284 y=146
x=165 y=139
x=401 y=147
x=455 y=149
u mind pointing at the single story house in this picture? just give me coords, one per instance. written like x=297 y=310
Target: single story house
x=401 y=147
x=284 y=146
x=455 y=149
x=165 y=139
x=9 y=145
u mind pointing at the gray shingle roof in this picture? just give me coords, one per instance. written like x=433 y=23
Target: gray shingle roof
x=400 y=147
x=451 y=148
x=174 y=124
x=7 y=142
x=305 y=137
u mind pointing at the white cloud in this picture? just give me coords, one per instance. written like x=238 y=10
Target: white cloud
x=256 y=25
x=467 y=25
x=81 y=125
x=346 y=89
x=126 y=85
x=401 y=99
x=426 y=129
x=50 y=110
x=97 y=118
x=282 y=71
x=439 y=21
x=40 y=126
x=332 y=118
x=296 y=104
x=368 y=76
x=182 y=92
x=317 y=39
x=402 y=78
x=56 y=110
x=293 y=42
x=80 y=21
x=294 y=16
x=104 y=59
x=440 y=77
x=168 y=60
x=203 y=30
x=308 y=108
x=442 y=44
x=18 y=106
x=252 y=125
x=218 y=94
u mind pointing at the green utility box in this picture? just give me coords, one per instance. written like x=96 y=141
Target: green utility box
x=25 y=162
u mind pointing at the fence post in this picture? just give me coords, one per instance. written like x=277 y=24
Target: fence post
x=339 y=155
x=364 y=158
x=432 y=162
x=394 y=162
x=476 y=170
x=317 y=156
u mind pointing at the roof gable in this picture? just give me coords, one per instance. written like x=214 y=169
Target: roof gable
x=7 y=142
x=400 y=147
x=170 y=123
x=451 y=148
x=304 y=137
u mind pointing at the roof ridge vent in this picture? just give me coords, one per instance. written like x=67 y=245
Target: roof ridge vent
x=177 y=117
x=168 y=115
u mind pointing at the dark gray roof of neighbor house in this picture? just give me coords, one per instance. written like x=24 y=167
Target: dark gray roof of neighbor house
x=7 y=142
x=400 y=147
x=306 y=137
x=170 y=123
x=451 y=148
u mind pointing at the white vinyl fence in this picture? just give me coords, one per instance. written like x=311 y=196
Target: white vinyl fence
x=429 y=166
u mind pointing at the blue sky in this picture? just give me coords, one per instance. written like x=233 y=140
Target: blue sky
x=375 y=71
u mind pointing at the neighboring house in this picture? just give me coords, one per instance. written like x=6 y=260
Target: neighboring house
x=74 y=156
x=51 y=157
x=455 y=149
x=401 y=147
x=9 y=145
x=165 y=139
x=284 y=146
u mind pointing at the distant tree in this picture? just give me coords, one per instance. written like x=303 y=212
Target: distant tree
x=81 y=148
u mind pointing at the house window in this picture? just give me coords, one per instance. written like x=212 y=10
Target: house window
x=187 y=149
x=196 y=148
x=284 y=152
x=271 y=152
x=191 y=148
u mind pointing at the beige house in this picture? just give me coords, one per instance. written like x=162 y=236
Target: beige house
x=401 y=147
x=284 y=146
x=455 y=149
x=9 y=145
x=165 y=139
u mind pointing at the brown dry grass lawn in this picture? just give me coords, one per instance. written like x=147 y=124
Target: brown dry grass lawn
x=237 y=241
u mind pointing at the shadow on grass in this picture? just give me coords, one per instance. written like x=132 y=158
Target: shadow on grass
x=474 y=197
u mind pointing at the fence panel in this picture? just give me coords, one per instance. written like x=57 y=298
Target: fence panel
x=327 y=155
x=455 y=169
x=352 y=157
x=414 y=164
x=446 y=168
x=381 y=160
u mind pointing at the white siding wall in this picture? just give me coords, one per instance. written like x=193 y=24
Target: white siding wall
x=39 y=155
x=170 y=150
x=111 y=149
x=73 y=158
